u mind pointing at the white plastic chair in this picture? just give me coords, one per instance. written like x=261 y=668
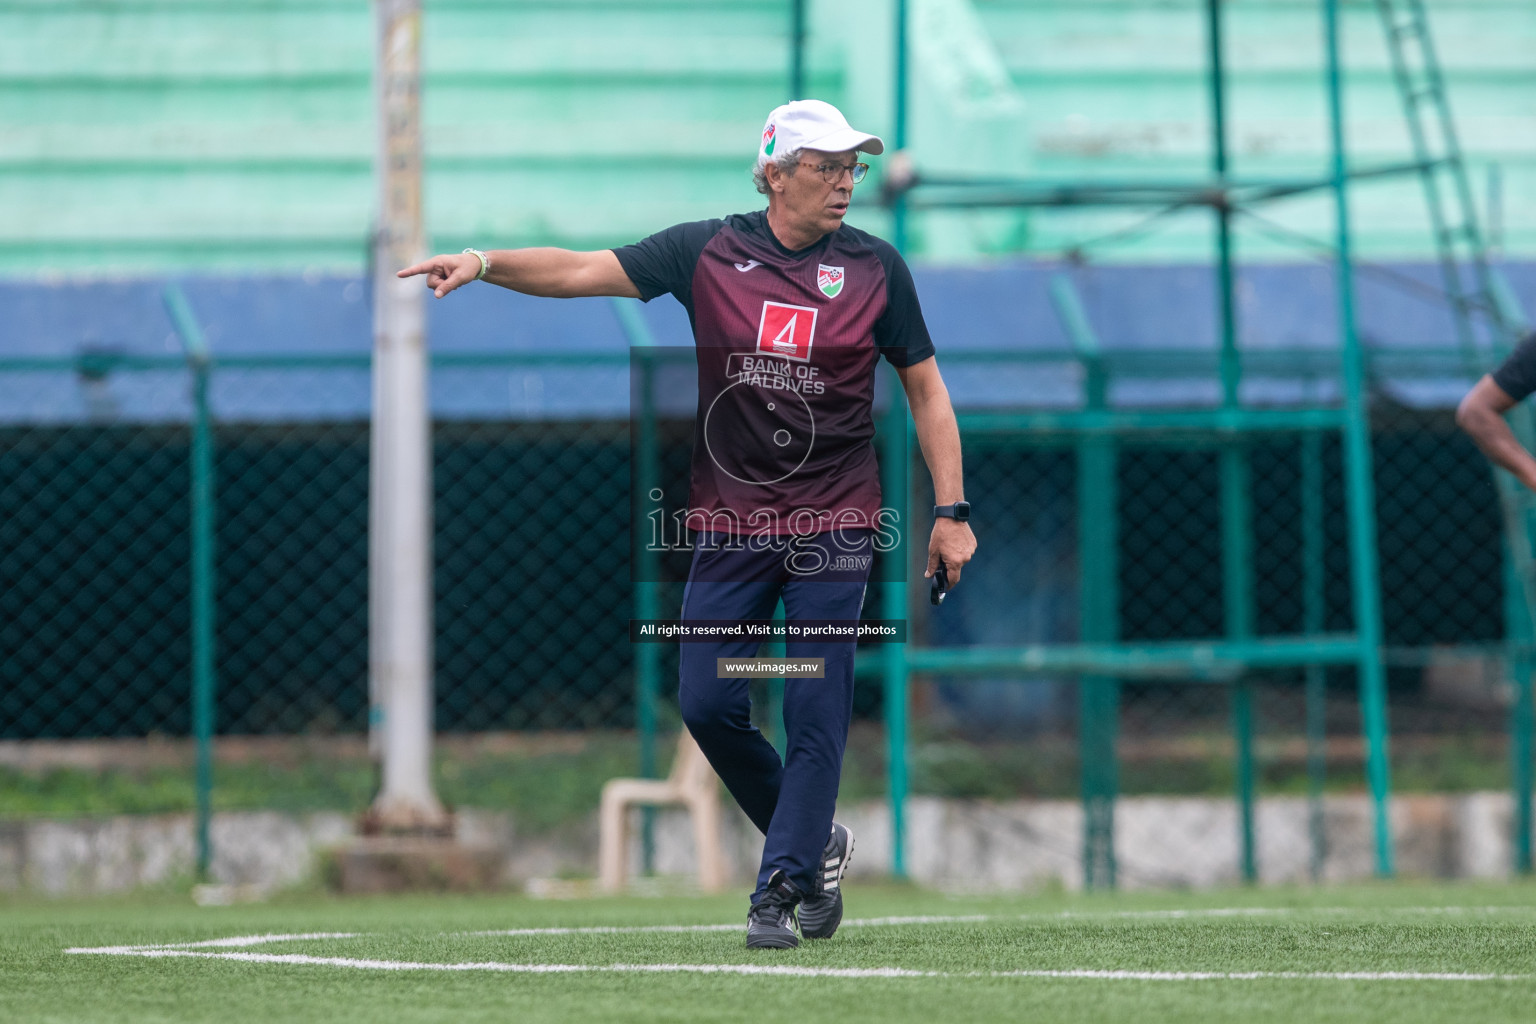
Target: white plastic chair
x=692 y=784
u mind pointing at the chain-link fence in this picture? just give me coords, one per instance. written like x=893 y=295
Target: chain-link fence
x=532 y=609
x=1450 y=686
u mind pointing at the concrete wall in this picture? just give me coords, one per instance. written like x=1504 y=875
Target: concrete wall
x=953 y=844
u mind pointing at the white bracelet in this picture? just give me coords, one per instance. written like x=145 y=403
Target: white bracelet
x=485 y=263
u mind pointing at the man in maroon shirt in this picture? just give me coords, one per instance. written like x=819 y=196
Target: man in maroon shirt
x=791 y=309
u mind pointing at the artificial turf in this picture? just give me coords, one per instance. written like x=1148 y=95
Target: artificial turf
x=1410 y=928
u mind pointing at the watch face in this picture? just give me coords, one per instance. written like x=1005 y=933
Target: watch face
x=962 y=510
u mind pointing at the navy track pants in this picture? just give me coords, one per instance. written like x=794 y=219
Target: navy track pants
x=790 y=801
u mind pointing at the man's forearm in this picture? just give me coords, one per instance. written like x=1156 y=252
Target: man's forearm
x=951 y=544
x=939 y=437
x=553 y=273
x=550 y=272
x=1493 y=436
x=559 y=273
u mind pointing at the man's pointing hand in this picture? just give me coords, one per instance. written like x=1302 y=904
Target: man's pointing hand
x=445 y=273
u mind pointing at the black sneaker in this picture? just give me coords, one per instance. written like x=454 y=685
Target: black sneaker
x=771 y=921
x=822 y=912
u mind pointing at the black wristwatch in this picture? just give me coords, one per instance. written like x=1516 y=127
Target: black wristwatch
x=960 y=511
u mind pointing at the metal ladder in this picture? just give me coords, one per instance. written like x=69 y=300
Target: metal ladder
x=1467 y=278
x=1477 y=293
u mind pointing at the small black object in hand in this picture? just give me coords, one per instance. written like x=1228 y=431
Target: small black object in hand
x=940 y=585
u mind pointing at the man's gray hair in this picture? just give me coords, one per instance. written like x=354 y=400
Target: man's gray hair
x=787 y=162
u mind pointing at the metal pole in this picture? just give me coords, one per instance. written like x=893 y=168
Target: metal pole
x=1236 y=488
x=893 y=603
x=1242 y=728
x=1520 y=750
x=893 y=597
x=647 y=606
x=1520 y=594
x=1099 y=699
x=1312 y=625
x=400 y=491
x=797 y=49
x=1098 y=602
x=647 y=562
x=1231 y=369
x=1237 y=577
x=203 y=569
x=1360 y=498
x=1517 y=619
x=899 y=134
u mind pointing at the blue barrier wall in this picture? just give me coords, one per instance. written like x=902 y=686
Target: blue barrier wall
x=997 y=308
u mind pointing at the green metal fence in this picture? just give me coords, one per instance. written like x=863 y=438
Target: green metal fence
x=1027 y=697
x=1087 y=656
x=1224 y=527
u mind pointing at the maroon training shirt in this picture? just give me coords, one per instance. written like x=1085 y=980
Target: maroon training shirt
x=787 y=343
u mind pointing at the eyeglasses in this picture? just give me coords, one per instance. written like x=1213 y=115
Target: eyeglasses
x=833 y=173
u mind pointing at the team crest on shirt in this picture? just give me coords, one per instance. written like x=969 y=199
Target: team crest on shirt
x=829 y=280
x=786 y=331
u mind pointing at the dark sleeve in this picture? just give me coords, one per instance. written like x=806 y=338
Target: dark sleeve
x=1516 y=377
x=665 y=261
x=901 y=334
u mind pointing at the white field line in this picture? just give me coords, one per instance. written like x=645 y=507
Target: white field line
x=788 y=970
x=508 y=968
x=203 y=950
x=866 y=922
x=235 y=941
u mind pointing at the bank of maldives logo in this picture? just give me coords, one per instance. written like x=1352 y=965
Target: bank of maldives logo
x=829 y=280
x=768 y=140
x=786 y=331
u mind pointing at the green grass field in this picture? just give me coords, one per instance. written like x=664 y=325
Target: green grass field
x=1399 y=953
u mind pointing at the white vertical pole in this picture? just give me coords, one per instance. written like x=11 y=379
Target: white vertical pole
x=400 y=494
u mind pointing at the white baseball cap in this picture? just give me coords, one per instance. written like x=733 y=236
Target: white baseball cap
x=812 y=124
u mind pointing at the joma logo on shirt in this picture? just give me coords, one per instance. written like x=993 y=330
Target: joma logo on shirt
x=786 y=331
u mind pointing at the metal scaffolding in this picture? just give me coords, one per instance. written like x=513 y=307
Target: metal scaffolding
x=1096 y=430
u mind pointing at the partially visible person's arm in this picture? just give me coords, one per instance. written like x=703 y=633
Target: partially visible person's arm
x=1481 y=415
x=939 y=437
x=553 y=273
